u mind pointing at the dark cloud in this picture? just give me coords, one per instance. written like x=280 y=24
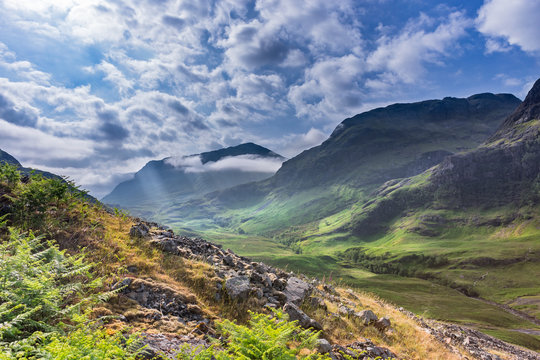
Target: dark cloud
x=142 y=113
x=9 y=113
x=108 y=115
x=226 y=123
x=174 y=21
x=246 y=34
x=268 y=52
x=110 y=128
x=178 y=107
x=65 y=163
x=168 y=136
x=113 y=132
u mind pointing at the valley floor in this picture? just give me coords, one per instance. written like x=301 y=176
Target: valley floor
x=499 y=314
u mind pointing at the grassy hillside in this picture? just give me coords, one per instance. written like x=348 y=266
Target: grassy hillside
x=92 y=249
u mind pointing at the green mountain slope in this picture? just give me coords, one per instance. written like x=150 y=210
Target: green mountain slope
x=471 y=223
x=185 y=177
x=361 y=154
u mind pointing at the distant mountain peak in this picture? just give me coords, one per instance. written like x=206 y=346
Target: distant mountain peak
x=528 y=110
x=248 y=148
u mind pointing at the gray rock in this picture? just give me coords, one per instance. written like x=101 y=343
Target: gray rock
x=124 y=283
x=316 y=302
x=383 y=324
x=367 y=317
x=139 y=231
x=296 y=290
x=279 y=284
x=295 y=314
x=228 y=260
x=344 y=310
x=238 y=287
x=323 y=346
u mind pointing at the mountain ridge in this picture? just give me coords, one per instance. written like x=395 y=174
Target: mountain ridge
x=363 y=152
x=171 y=177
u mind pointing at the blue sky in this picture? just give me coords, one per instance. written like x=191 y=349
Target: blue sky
x=93 y=89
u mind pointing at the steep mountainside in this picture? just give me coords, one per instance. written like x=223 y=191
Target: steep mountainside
x=362 y=153
x=413 y=137
x=185 y=177
x=504 y=171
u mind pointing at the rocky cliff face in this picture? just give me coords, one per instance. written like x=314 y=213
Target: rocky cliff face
x=504 y=170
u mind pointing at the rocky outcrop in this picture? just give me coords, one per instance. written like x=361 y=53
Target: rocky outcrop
x=478 y=344
x=503 y=170
x=295 y=314
x=240 y=275
x=361 y=350
x=157 y=296
x=238 y=287
x=367 y=317
x=139 y=231
x=243 y=279
x=296 y=290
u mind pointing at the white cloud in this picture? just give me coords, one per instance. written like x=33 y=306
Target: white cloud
x=515 y=22
x=406 y=54
x=331 y=89
x=27 y=144
x=23 y=69
x=294 y=144
x=245 y=163
x=114 y=76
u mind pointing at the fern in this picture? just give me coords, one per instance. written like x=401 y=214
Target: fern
x=267 y=337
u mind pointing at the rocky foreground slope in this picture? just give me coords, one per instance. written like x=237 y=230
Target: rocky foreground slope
x=243 y=284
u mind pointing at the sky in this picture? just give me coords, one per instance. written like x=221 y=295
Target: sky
x=93 y=89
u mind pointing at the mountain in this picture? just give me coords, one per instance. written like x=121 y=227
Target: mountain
x=502 y=172
x=7 y=158
x=412 y=137
x=181 y=178
x=362 y=153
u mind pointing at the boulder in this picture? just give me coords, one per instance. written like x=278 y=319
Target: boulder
x=296 y=290
x=383 y=324
x=295 y=314
x=238 y=287
x=323 y=346
x=139 y=231
x=228 y=260
x=366 y=317
x=344 y=310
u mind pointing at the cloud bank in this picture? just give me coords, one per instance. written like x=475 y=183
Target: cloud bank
x=244 y=163
x=94 y=89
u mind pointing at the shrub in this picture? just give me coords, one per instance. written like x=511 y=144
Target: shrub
x=43 y=292
x=269 y=337
x=9 y=175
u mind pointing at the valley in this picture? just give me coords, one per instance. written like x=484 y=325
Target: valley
x=372 y=208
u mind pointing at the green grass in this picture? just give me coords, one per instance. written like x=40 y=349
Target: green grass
x=321 y=244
